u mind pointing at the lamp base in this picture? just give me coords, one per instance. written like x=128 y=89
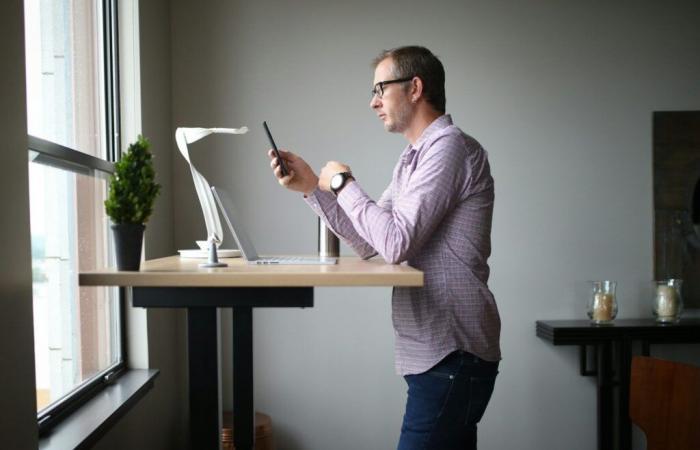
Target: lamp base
x=216 y=264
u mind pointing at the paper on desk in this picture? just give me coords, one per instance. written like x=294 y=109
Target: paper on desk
x=184 y=136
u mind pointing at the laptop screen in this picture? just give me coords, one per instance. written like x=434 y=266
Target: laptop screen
x=233 y=219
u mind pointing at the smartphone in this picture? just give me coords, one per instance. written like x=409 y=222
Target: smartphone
x=283 y=166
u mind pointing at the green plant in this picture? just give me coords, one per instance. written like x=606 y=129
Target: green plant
x=132 y=187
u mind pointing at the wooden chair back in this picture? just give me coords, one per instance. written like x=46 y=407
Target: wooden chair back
x=665 y=403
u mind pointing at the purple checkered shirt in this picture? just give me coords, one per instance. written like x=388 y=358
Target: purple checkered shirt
x=435 y=216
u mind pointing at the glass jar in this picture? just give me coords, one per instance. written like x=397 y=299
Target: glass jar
x=667 y=304
x=602 y=305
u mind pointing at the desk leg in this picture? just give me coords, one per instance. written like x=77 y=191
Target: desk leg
x=202 y=351
x=605 y=397
x=243 y=409
x=625 y=425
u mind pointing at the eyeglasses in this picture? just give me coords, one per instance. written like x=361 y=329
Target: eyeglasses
x=378 y=89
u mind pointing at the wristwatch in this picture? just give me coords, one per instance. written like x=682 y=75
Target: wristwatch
x=338 y=181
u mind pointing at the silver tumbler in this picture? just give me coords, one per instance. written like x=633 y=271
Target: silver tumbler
x=328 y=243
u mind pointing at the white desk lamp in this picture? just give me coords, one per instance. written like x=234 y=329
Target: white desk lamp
x=215 y=233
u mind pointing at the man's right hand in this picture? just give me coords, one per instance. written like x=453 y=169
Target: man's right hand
x=301 y=177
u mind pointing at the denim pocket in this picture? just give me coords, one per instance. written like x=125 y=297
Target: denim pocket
x=480 y=390
x=439 y=374
x=448 y=367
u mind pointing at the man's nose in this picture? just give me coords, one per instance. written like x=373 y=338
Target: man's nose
x=374 y=102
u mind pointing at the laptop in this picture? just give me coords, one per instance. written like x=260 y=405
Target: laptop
x=246 y=245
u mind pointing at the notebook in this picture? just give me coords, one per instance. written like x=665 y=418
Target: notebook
x=246 y=245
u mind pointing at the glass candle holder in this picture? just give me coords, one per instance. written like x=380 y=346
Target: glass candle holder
x=667 y=304
x=602 y=305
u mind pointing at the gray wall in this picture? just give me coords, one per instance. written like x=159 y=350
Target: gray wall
x=561 y=94
x=18 y=404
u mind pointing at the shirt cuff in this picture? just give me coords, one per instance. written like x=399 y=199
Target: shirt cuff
x=318 y=200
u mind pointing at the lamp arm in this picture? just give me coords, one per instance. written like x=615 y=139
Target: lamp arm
x=183 y=136
x=206 y=200
x=241 y=130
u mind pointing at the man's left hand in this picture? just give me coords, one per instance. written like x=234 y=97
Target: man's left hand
x=331 y=168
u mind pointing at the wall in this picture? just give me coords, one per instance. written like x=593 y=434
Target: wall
x=561 y=94
x=18 y=405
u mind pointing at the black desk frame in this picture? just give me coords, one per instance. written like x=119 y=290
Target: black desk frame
x=203 y=356
x=612 y=346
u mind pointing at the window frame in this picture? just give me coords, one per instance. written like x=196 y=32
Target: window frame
x=66 y=158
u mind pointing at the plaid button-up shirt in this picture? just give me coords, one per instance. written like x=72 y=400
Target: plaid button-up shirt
x=435 y=216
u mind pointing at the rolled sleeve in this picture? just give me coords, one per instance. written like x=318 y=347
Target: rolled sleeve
x=325 y=205
x=400 y=231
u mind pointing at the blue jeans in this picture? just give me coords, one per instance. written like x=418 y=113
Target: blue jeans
x=446 y=402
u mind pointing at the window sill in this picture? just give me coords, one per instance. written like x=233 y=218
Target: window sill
x=85 y=426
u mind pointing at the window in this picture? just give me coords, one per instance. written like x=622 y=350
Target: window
x=72 y=124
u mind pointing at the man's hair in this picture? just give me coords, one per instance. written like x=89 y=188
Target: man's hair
x=415 y=61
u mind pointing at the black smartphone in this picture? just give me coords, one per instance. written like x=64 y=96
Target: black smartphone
x=283 y=166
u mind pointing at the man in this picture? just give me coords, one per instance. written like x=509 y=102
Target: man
x=436 y=216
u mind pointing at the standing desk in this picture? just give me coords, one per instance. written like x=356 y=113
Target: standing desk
x=180 y=283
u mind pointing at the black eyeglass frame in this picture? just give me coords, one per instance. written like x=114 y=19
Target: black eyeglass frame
x=378 y=88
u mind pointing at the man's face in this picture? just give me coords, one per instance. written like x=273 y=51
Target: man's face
x=394 y=107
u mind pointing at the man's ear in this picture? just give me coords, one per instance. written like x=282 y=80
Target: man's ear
x=416 y=89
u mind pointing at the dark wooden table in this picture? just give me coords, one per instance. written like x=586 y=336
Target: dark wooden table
x=612 y=358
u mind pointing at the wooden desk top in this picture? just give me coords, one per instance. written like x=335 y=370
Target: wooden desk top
x=173 y=271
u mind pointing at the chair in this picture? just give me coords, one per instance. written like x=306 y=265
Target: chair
x=665 y=403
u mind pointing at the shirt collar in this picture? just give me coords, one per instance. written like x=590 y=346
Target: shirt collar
x=438 y=124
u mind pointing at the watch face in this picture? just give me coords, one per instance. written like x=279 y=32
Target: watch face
x=336 y=181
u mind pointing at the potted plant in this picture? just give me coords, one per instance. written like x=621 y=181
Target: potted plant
x=132 y=191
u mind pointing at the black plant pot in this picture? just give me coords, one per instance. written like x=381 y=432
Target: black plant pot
x=128 y=239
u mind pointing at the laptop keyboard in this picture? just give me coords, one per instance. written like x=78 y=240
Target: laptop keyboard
x=289 y=260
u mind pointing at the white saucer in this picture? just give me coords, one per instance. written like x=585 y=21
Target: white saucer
x=222 y=253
